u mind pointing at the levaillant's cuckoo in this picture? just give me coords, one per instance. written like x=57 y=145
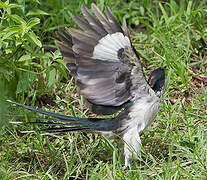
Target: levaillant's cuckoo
x=109 y=74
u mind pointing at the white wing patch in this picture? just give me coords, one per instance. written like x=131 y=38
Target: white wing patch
x=108 y=46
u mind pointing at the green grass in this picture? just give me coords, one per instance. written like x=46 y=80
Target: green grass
x=171 y=33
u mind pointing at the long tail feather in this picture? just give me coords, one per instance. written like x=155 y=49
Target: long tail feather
x=60 y=116
x=68 y=123
x=64 y=129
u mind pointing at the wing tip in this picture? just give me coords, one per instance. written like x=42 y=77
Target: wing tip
x=94 y=6
x=83 y=8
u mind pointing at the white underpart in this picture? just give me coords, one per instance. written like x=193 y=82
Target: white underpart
x=144 y=111
x=108 y=47
x=142 y=114
x=132 y=143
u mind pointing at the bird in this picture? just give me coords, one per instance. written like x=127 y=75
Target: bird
x=109 y=73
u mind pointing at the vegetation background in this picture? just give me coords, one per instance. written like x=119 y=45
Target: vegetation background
x=171 y=33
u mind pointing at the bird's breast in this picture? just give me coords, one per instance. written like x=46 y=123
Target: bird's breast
x=143 y=112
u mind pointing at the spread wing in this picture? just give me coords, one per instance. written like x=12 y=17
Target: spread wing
x=102 y=60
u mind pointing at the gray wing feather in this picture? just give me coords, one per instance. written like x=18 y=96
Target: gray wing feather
x=97 y=81
x=102 y=19
x=107 y=77
x=82 y=36
x=65 y=37
x=84 y=25
x=66 y=51
x=82 y=48
x=95 y=24
x=125 y=29
x=114 y=24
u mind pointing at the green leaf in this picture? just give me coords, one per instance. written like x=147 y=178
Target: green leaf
x=36 y=1
x=3 y=104
x=37 y=12
x=15 y=28
x=16 y=19
x=25 y=81
x=4 y=72
x=33 y=38
x=188 y=12
x=163 y=12
x=25 y=57
x=61 y=70
x=14 y=6
x=142 y=10
x=32 y=22
x=4 y=5
x=11 y=32
x=50 y=74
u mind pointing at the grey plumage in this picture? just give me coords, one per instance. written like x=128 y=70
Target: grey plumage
x=99 y=79
x=94 y=23
x=114 y=24
x=110 y=77
x=84 y=25
x=102 y=19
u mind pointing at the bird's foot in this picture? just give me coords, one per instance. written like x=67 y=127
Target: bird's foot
x=127 y=165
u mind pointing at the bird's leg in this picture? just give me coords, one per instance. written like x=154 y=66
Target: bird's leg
x=127 y=163
x=131 y=146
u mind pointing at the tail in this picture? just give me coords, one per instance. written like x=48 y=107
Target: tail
x=62 y=123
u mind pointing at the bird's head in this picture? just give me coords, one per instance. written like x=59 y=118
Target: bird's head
x=157 y=79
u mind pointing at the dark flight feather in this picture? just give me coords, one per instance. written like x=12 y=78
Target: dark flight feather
x=103 y=60
x=114 y=24
x=102 y=19
x=95 y=24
